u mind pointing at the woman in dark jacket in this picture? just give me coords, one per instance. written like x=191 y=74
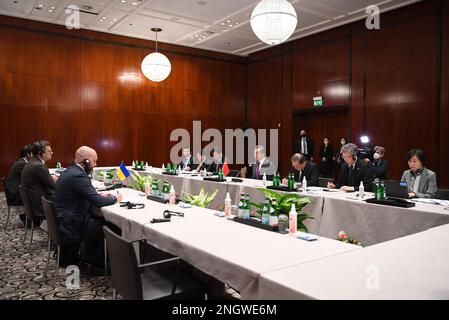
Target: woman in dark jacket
x=326 y=156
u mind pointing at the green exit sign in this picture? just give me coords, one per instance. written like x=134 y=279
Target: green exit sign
x=317 y=101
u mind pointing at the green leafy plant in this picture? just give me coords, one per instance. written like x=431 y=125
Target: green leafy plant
x=139 y=181
x=284 y=204
x=106 y=174
x=203 y=199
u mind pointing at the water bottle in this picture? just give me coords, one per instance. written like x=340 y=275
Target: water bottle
x=304 y=184
x=172 y=195
x=241 y=210
x=293 y=221
x=264 y=180
x=147 y=189
x=246 y=212
x=133 y=165
x=228 y=206
x=361 y=190
x=266 y=212
x=274 y=220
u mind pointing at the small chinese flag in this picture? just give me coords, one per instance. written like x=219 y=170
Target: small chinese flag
x=225 y=169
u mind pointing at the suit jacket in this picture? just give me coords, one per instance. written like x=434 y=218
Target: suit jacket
x=267 y=168
x=37 y=178
x=310 y=148
x=214 y=166
x=380 y=169
x=427 y=183
x=189 y=163
x=361 y=173
x=327 y=153
x=311 y=172
x=74 y=197
x=13 y=181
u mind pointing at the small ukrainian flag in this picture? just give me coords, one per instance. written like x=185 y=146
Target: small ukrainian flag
x=122 y=172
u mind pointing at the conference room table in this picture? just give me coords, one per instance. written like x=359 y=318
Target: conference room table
x=412 y=267
x=407 y=256
x=234 y=253
x=332 y=211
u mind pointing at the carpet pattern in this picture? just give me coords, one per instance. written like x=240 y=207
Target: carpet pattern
x=23 y=267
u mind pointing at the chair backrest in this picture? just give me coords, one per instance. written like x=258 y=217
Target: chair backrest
x=7 y=194
x=50 y=216
x=24 y=194
x=322 y=182
x=442 y=194
x=125 y=275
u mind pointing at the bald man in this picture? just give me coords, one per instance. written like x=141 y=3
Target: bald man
x=74 y=198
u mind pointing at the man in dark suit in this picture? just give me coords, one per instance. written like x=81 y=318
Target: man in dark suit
x=37 y=179
x=74 y=198
x=261 y=166
x=14 y=177
x=305 y=145
x=217 y=160
x=187 y=160
x=302 y=168
x=353 y=171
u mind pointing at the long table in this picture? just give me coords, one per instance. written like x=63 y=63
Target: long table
x=412 y=267
x=331 y=211
x=265 y=265
x=231 y=252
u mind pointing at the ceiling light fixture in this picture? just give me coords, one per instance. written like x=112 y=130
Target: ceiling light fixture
x=156 y=66
x=274 y=21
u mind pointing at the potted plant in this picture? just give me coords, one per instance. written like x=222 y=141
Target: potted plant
x=203 y=199
x=284 y=203
x=140 y=181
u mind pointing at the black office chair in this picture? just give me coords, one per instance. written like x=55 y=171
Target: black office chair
x=322 y=182
x=161 y=279
x=9 y=201
x=53 y=233
x=29 y=211
x=442 y=194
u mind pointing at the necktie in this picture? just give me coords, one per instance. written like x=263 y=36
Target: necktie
x=257 y=169
x=351 y=176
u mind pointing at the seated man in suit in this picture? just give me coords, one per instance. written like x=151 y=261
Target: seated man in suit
x=187 y=160
x=37 y=179
x=421 y=182
x=74 y=198
x=217 y=160
x=301 y=168
x=261 y=166
x=15 y=175
x=353 y=171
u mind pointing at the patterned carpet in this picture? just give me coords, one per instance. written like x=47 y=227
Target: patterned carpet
x=23 y=267
x=23 y=273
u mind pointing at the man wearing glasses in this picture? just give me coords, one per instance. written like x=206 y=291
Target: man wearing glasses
x=353 y=171
x=37 y=179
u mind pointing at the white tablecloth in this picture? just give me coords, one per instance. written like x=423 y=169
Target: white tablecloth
x=231 y=252
x=413 y=267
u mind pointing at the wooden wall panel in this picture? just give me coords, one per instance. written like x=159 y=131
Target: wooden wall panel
x=394 y=81
x=81 y=87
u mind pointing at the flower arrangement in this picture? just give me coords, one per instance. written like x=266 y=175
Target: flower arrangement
x=343 y=237
x=284 y=203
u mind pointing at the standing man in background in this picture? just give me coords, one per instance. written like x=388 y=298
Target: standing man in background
x=305 y=145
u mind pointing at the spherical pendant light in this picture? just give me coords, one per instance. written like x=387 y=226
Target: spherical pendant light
x=156 y=66
x=274 y=21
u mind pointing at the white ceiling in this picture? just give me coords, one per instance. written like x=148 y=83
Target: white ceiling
x=195 y=23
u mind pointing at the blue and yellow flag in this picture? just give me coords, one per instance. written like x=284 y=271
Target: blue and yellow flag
x=122 y=172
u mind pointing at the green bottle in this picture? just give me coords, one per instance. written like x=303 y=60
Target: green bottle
x=142 y=166
x=168 y=168
x=382 y=191
x=274 y=220
x=291 y=182
x=241 y=211
x=266 y=212
x=155 y=189
x=247 y=208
